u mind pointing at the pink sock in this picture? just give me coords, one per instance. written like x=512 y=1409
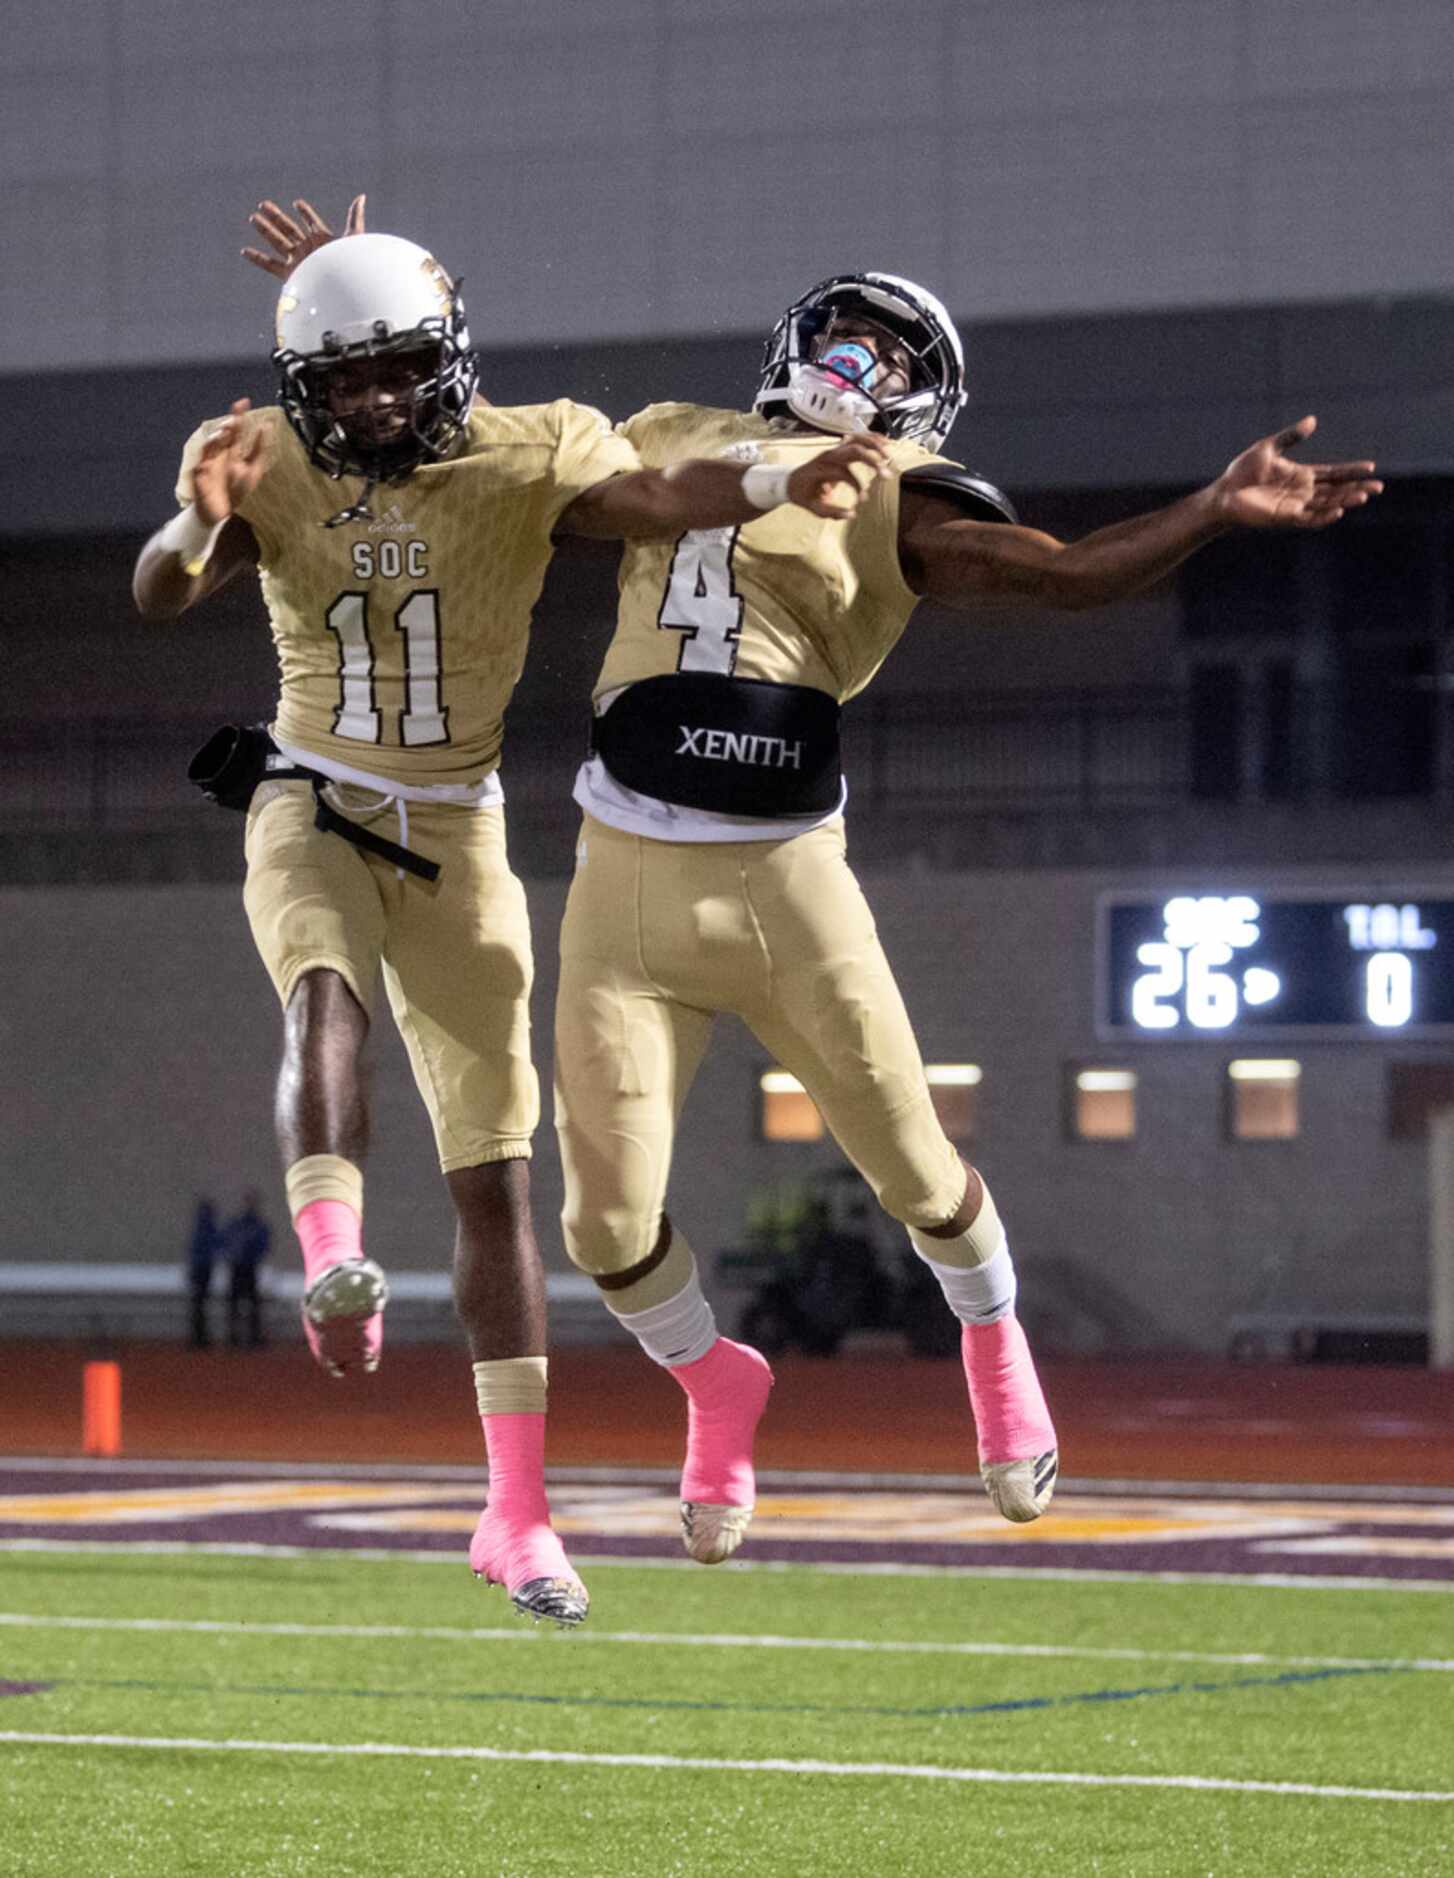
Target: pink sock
x=329 y=1231
x=1011 y=1420
x=727 y=1391
x=513 y=1541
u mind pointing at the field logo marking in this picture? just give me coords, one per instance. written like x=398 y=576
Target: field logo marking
x=884 y=1519
x=887 y=1527
x=133 y=1505
x=881 y=1519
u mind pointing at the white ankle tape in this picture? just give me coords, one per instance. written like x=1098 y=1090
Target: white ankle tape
x=980 y=1296
x=323 y=1177
x=677 y=1332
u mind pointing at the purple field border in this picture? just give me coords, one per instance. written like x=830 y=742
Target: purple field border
x=1430 y=1525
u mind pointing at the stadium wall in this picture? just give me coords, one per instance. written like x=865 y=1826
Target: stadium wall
x=647 y=166
x=1125 y=401
x=141 y=1035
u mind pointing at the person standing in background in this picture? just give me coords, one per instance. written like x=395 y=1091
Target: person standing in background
x=246 y=1241
x=202 y=1250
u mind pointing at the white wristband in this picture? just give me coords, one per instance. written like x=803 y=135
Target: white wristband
x=190 y=538
x=765 y=485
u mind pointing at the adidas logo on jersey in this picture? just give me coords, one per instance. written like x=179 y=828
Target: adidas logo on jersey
x=745 y=452
x=391 y=522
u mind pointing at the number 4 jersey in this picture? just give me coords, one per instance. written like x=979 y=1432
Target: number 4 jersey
x=400 y=636
x=735 y=647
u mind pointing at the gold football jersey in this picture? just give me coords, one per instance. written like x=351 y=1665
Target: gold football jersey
x=791 y=599
x=400 y=638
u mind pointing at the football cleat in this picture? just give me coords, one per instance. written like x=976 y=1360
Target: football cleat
x=531 y=1553
x=1021 y=1490
x=342 y=1316
x=564 y=1600
x=727 y=1391
x=713 y=1533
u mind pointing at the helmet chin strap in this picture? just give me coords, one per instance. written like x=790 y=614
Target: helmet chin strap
x=356 y=511
x=825 y=401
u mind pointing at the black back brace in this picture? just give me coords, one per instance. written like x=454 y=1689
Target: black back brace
x=733 y=746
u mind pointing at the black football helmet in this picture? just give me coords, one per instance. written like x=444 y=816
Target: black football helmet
x=936 y=394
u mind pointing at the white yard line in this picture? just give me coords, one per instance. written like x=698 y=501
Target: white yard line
x=697 y=1640
x=876 y=1770
x=1060 y=1574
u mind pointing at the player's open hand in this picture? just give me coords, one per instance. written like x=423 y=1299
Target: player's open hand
x=231 y=461
x=293 y=241
x=1266 y=488
x=832 y=485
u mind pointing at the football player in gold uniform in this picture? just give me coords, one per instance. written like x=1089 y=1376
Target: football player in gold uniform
x=711 y=875
x=711 y=872
x=375 y=833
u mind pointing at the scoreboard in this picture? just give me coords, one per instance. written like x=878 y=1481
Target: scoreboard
x=1277 y=964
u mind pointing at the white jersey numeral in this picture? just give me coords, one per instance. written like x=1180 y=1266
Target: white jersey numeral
x=356 y=716
x=424 y=719
x=701 y=602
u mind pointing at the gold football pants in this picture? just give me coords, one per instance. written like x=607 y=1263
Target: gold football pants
x=658 y=937
x=455 y=956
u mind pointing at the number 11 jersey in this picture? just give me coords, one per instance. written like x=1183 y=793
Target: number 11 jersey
x=400 y=636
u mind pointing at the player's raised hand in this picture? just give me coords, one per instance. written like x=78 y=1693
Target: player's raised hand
x=1266 y=488
x=228 y=466
x=292 y=240
x=828 y=485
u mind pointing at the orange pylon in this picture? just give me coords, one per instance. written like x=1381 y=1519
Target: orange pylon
x=101 y=1408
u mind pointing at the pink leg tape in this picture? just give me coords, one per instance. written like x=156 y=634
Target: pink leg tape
x=329 y=1231
x=727 y=1391
x=513 y=1541
x=1011 y=1420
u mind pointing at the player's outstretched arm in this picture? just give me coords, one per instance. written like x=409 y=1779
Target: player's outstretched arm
x=959 y=562
x=200 y=549
x=293 y=240
x=709 y=493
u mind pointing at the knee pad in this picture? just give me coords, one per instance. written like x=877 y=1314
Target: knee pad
x=649 y=1281
x=923 y=1195
x=603 y=1244
x=598 y=1252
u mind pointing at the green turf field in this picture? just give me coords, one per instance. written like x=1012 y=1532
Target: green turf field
x=1100 y=1695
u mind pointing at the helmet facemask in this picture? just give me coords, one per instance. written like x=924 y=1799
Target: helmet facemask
x=384 y=442
x=792 y=379
x=375 y=371
x=843 y=384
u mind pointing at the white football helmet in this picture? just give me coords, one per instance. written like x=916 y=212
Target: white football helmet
x=792 y=380
x=368 y=297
